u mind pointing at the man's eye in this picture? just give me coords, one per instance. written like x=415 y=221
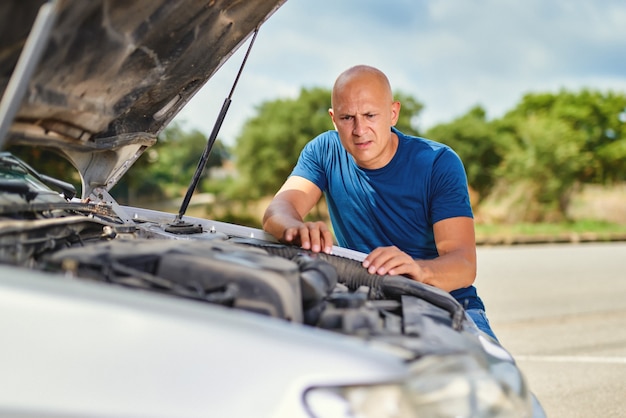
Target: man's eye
x=370 y=115
x=347 y=117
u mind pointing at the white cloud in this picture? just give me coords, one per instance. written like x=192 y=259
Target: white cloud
x=449 y=54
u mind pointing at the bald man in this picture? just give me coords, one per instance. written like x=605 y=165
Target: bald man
x=402 y=200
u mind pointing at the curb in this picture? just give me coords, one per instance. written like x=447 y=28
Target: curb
x=572 y=238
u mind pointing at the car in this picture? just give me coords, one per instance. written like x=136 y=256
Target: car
x=109 y=310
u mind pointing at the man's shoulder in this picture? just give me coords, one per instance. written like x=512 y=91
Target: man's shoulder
x=427 y=152
x=324 y=142
x=327 y=136
x=424 y=149
x=419 y=141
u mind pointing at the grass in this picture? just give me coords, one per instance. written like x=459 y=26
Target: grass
x=589 y=230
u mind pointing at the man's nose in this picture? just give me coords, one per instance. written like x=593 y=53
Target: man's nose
x=359 y=126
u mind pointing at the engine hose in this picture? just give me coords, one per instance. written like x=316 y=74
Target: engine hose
x=352 y=274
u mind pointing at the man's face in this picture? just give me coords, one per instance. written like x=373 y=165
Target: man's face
x=363 y=113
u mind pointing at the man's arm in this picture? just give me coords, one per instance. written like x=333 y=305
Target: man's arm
x=284 y=217
x=455 y=267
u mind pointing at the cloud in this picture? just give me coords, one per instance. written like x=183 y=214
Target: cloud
x=449 y=54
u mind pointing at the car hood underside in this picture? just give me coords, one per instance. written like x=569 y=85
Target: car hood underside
x=114 y=73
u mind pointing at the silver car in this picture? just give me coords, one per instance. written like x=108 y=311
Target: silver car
x=115 y=311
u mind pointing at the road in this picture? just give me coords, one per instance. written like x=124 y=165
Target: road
x=561 y=311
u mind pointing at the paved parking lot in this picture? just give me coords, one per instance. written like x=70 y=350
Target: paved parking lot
x=561 y=311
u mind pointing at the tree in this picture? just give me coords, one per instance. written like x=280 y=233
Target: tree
x=409 y=111
x=270 y=142
x=542 y=162
x=600 y=117
x=165 y=170
x=554 y=142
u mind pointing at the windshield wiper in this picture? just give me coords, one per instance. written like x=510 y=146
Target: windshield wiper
x=18 y=187
x=14 y=165
x=68 y=189
x=98 y=210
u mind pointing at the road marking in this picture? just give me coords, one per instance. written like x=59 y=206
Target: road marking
x=573 y=359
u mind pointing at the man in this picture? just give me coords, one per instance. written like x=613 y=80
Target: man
x=400 y=199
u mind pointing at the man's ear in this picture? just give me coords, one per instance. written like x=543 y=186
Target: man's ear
x=395 y=112
x=332 y=117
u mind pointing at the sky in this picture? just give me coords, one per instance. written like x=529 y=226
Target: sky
x=450 y=55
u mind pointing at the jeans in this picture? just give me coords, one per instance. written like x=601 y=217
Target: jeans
x=480 y=319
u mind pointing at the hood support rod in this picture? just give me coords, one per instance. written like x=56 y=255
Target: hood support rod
x=26 y=64
x=211 y=141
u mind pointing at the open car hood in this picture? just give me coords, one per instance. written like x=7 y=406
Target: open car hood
x=113 y=73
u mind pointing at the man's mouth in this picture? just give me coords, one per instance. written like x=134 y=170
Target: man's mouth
x=363 y=145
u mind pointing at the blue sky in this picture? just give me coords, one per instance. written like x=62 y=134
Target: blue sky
x=449 y=54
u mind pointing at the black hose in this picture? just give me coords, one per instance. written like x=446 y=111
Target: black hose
x=352 y=274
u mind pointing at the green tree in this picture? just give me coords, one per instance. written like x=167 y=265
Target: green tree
x=600 y=117
x=165 y=170
x=409 y=112
x=543 y=161
x=554 y=142
x=270 y=142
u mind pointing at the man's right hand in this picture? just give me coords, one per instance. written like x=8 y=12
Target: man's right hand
x=314 y=236
x=284 y=216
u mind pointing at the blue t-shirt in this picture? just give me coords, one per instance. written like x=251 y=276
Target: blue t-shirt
x=398 y=204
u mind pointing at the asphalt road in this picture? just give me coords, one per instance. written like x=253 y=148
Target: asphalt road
x=561 y=311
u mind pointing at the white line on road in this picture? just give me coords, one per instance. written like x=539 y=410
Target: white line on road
x=572 y=359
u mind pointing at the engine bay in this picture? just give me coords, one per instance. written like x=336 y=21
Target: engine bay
x=280 y=281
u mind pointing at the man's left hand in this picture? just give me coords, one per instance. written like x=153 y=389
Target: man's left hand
x=391 y=260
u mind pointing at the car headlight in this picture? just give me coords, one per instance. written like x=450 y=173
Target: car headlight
x=438 y=386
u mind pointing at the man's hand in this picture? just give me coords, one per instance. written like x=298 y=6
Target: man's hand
x=314 y=236
x=454 y=268
x=391 y=260
x=284 y=217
